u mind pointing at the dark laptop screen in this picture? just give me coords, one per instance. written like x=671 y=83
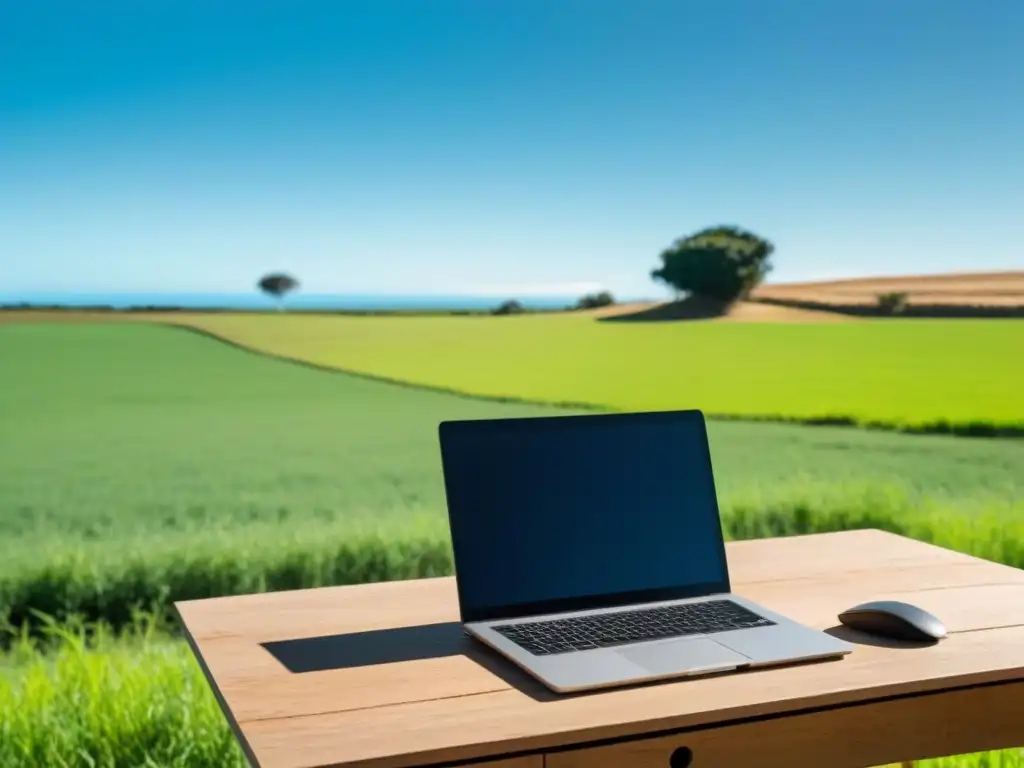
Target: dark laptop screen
x=569 y=513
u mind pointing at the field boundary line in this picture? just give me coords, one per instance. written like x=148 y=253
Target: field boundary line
x=975 y=429
x=404 y=383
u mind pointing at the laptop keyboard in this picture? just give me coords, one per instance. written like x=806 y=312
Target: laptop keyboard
x=604 y=630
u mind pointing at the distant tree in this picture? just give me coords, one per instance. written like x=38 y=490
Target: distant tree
x=893 y=303
x=723 y=263
x=595 y=300
x=277 y=285
x=510 y=307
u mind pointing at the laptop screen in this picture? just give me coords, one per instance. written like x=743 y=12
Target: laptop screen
x=578 y=512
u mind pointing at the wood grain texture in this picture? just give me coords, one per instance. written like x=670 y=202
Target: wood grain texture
x=381 y=675
x=851 y=737
x=522 y=720
x=329 y=610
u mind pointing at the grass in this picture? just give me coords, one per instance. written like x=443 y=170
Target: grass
x=139 y=702
x=143 y=464
x=110 y=580
x=931 y=375
x=1008 y=758
x=116 y=429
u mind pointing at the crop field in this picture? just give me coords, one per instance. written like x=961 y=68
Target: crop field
x=140 y=464
x=142 y=458
x=923 y=374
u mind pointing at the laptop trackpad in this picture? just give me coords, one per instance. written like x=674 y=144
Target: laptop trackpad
x=675 y=656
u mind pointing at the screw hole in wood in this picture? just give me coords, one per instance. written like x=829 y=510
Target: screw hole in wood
x=681 y=758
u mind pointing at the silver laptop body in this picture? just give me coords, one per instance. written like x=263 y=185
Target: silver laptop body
x=589 y=552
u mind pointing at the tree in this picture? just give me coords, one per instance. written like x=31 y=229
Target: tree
x=510 y=307
x=595 y=300
x=893 y=303
x=723 y=263
x=277 y=285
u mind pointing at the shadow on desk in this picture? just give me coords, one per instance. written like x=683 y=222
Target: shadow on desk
x=391 y=646
x=863 y=638
x=438 y=641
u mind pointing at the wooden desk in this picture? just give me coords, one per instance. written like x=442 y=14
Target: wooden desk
x=381 y=675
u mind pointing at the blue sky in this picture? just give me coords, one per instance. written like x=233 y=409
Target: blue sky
x=506 y=147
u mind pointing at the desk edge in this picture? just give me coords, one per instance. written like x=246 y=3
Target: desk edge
x=229 y=716
x=472 y=756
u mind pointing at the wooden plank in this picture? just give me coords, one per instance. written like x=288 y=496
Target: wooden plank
x=831 y=555
x=371 y=670
x=963 y=608
x=900 y=730
x=298 y=613
x=527 y=718
x=257 y=685
x=398 y=665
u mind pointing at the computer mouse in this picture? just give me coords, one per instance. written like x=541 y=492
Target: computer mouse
x=894 y=620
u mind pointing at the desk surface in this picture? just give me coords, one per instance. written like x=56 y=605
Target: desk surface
x=381 y=675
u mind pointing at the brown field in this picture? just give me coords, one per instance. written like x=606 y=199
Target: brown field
x=993 y=289
x=980 y=289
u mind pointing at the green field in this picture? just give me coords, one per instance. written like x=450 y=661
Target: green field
x=908 y=373
x=141 y=464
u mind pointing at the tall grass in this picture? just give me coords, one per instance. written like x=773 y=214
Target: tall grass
x=75 y=695
x=1007 y=758
x=108 y=581
x=113 y=580
x=140 y=702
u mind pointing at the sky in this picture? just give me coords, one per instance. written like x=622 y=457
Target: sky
x=516 y=147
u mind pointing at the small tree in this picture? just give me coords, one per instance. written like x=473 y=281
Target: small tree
x=277 y=285
x=595 y=300
x=723 y=263
x=893 y=303
x=510 y=307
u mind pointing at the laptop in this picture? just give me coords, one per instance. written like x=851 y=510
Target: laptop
x=589 y=551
